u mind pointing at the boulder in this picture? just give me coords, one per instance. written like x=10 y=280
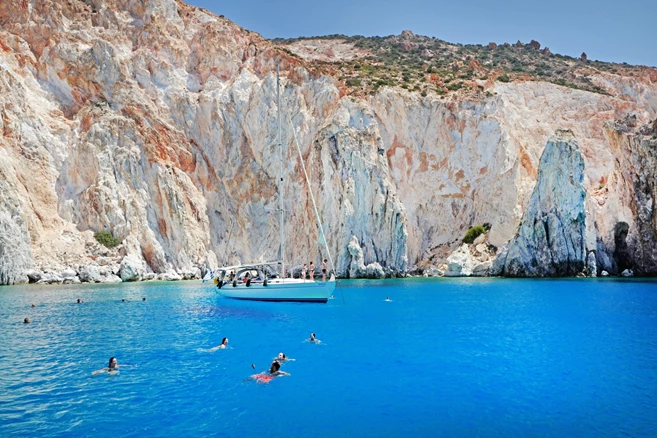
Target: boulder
x=170 y=276
x=50 y=278
x=604 y=274
x=433 y=271
x=110 y=278
x=459 y=263
x=132 y=268
x=374 y=270
x=68 y=273
x=481 y=269
x=627 y=273
x=480 y=239
x=90 y=274
x=33 y=275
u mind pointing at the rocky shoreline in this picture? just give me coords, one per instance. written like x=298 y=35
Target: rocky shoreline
x=155 y=122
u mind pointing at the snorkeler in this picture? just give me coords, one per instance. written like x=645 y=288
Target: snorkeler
x=111 y=368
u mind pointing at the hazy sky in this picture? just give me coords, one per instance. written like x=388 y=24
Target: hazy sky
x=607 y=30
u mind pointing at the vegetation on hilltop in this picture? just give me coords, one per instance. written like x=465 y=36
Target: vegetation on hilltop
x=426 y=64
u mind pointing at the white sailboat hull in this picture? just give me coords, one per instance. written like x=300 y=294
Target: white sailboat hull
x=285 y=290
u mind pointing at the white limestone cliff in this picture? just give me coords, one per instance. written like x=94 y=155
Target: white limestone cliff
x=551 y=239
x=156 y=121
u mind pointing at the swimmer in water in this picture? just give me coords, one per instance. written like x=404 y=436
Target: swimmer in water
x=388 y=299
x=143 y=299
x=314 y=339
x=26 y=321
x=79 y=301
x=224 y=343
x=33 y=305
x=111 y=368
x=274 y=371
x=282 y=358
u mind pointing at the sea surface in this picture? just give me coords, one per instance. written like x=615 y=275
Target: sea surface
x=445 y=357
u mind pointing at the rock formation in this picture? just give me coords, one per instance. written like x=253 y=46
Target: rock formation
x=551 y=240
x=629 y=238
x=156 y=121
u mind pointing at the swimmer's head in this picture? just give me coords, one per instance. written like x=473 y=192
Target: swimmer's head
x=143 y=299
x=26 y=321
x=112 y=362
x=33 y=305
x=79 y=301
x=312 y=336
x=281 y=355
x=224 y=341
x=275 y=366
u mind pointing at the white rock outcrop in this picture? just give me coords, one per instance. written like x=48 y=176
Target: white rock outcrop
x=551 y=240
x=460 y=263
x=132 y=269
x=159 y=129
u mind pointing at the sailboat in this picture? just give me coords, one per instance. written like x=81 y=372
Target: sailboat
x=263 y=281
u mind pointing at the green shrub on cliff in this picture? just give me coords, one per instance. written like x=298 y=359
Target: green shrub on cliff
x=473 y=233
x=106 y=238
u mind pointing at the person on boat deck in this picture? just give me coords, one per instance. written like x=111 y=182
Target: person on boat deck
x=324 y=270
x=312 y=271
x=224 y=343
x=246 y=277
x=231 y=277
x=303 y=271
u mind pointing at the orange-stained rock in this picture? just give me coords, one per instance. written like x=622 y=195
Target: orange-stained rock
x=157 y=121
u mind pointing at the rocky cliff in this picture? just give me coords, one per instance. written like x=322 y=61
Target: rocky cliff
x=551 y=239
x=156 y=121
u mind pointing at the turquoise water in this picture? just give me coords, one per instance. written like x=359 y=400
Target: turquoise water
x=461 y=357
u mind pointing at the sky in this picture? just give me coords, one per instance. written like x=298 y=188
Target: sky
x=607 y=30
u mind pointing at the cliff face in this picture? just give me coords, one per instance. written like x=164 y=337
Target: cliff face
x=631 y=236
x=551 y=240
x=157 y=121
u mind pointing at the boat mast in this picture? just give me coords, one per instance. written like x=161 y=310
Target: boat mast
x=280 y=182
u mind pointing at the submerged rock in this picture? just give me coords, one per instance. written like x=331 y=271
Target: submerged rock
x=551 y=239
